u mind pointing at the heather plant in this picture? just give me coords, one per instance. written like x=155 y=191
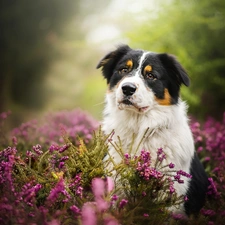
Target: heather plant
x=48 y=185
x=50 y=129
x=210 y=144
x=66 y=181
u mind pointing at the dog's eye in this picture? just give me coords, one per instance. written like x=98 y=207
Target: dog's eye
x=124 y=70
x=150 y=76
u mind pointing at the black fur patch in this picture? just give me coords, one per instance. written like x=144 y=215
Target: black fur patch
x=197 y=188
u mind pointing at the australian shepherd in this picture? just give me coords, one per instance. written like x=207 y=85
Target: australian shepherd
x=144 y=93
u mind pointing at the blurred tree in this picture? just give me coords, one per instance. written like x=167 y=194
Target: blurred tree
x=28 y=34
x=194 y=31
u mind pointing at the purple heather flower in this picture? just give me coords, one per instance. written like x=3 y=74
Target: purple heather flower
x=207 y=159
x=122 y=203
x=185 y=198
x=145 y=156
x=127 y=158
x=64 y=158
x=64 y=148
x=160 y=151
x=29 y=153
x=212 y=190
x=53 y=147
x=126 y=155
x=114 y=198
x=146 y=215
x=178 y=216
x=57 y=190
x=75 y=186
x=28 y=193
x=66 y=194
x=14 y=140
x=7 y=157
x=171 y=165
x=75 y=209
x=172 y=189
x=144 y=169
x=37 y=149
x=199 y=149
x=199 y=139
x=79 y=191
x=4 y=115
x=61 y=165
x=208 y=212
x=177 y=177
x=183 y=173
x=180 y=181
x=161 y=155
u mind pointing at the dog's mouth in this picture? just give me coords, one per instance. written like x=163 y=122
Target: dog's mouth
x=127 y=103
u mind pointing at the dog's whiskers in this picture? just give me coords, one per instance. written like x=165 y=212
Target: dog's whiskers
x=101 y=103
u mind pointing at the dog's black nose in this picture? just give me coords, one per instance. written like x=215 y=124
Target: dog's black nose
x=128 y=89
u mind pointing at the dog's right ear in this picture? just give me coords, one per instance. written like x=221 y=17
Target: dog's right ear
x=110 y=60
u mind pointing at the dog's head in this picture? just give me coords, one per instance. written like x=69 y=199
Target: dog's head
x=139 y=80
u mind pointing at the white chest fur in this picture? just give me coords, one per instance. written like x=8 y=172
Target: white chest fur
x=167 y=128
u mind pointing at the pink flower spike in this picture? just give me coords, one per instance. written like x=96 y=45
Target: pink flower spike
x=110 y=221
x=54 y=222
x=88 y=214
x=110 y=184
x=98 y=187
x=102 y=205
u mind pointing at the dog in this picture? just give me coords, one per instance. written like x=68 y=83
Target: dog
x=144 y=94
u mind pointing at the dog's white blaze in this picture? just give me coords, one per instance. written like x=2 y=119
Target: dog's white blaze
x=142 y=60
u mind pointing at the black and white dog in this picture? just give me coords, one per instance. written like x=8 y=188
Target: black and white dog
x=143 y=93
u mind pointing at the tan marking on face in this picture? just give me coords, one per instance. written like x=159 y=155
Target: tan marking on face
x=147 y=69
x=166 y=100
x=129 y=64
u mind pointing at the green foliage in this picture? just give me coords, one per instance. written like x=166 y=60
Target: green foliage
x=194 y=31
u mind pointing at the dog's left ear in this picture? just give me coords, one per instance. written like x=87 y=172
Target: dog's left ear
x=174 y=69
x=109 y=62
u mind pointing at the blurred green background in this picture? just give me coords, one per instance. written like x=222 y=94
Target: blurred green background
x=50 y=48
